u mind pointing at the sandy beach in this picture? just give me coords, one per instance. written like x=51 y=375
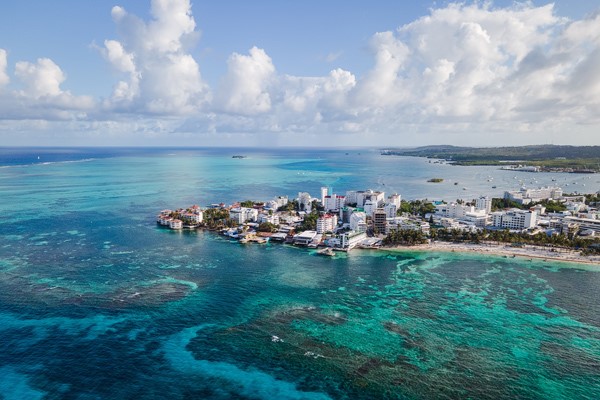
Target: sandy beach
x=506 y=250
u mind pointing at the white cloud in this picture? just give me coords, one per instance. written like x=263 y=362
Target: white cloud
x=463 y=68
x=40 y=79
x=244 y=89
x=4 y=79
x=162 y=77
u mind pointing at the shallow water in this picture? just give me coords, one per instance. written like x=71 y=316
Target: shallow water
x=96 y=301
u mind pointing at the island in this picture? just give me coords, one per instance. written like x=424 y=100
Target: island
x=549 y=158
x=435 y=180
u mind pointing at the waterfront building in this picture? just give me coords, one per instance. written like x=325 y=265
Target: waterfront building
x=526 y=196
x=379 y=220
x=176 y=224
x=514 y=219
x=326 y=223
x=350 y=240
x=304 y=238
x=243 y=214
x=484 y=203
x=358 y=221
x=582 y=223
x=352 y=197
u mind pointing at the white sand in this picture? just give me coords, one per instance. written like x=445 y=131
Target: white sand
x=527 y=251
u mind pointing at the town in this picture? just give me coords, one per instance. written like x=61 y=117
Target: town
x=369 y=219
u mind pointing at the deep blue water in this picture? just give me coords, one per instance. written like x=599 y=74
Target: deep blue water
x=96 y=301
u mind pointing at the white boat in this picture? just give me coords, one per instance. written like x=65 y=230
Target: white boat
x=327 y=251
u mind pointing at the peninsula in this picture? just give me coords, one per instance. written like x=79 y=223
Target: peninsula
x=540 y=223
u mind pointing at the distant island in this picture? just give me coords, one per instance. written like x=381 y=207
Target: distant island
x=435 y=180
x=238 y=156
x=552 y=158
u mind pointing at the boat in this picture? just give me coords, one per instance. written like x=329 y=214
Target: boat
x=327 y=251
x=493 y=187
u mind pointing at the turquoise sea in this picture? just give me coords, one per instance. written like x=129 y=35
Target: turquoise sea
x=98 y=302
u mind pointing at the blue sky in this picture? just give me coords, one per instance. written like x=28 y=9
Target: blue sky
x=272 y=72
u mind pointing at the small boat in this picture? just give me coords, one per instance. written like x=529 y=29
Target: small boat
x=493 y=187
x=327 y=251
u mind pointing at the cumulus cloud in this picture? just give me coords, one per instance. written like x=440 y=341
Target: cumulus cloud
x=162 y=77
x=4 y=79
x=244 y=89
x=463 y=67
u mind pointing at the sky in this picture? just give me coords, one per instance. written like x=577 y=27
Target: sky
x=305 y=73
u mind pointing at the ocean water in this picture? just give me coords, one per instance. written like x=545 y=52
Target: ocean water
x=97 y=301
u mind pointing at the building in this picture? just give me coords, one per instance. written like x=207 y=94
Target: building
x=326 y=223
x=243 y=214
x=403 y=223
x=395 y=199
x=305 y=201
x=358 y=221
x=391 y=209
x=526 y=196
x=333 y=202
x=453 y=210
x=272 y=219
x=281 y=201
x=349 y=240
x=176 y=224
x=514 y=219
x=304 y=238
x=324 y=193
x=484 y=203
x=379 y=220
x=370 y=206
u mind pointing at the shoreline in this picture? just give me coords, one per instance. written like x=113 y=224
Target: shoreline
x=505 y=250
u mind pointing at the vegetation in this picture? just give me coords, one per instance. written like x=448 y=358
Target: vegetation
x=247 y=203
x=407 y=237
x=416 y=207
x=505 y=236
x=215 y=218
x=546 y=156
x=267 y=227
x=310 y=222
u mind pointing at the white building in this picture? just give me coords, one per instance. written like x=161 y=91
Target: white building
x=243 y=214
x=324 y=193
x=391 y=209
x=305 y=201
x=526 y=196
x=358 y=221
x=333 y=202
x=349 y=240
x=281 y=201
x=395 y=199
x=403 y=223
x=326 y=223
x=514 y=219
x=370 y=206
x=272 y=219
x=453 y=210
x=175 y=224
x=484 y=203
